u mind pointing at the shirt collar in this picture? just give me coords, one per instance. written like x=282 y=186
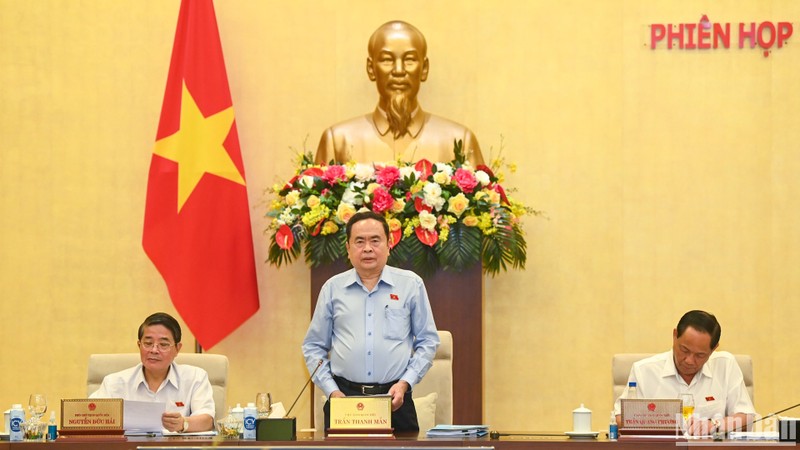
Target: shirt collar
x=353 y=278
x=379 y=118
x=670 y=370
x=172 y=376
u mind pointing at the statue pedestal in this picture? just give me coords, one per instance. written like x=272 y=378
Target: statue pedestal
x=457 y=303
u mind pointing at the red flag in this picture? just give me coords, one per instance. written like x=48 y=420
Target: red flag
x=197 y=218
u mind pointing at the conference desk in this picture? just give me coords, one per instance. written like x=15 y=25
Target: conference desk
x=504 y=443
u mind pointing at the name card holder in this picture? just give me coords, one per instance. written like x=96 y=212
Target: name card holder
x=361 y=417
x=84 y=419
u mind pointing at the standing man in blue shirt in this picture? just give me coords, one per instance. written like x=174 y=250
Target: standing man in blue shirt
x=372 y=328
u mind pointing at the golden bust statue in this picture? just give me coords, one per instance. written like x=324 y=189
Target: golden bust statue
x=398 y=128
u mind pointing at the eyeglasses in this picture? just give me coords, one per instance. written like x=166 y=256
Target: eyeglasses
x=162 y=346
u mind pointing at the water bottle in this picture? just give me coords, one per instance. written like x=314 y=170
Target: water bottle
x=52 y=428
x=250 y=415
x=632 y=390
x=613 y=429
x=15 y=422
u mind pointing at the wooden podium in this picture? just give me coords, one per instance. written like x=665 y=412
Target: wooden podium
x=457 y=303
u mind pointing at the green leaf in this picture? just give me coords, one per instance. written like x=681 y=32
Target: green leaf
x=325 y=249
x=461 y=249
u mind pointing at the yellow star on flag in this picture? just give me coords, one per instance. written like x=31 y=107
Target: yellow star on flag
x=197 y=147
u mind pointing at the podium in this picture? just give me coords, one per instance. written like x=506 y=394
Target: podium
x=457 y=303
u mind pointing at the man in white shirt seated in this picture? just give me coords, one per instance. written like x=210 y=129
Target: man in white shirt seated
x=714 y=379
x=185 y=389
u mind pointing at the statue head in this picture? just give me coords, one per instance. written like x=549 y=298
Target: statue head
x=398 y=65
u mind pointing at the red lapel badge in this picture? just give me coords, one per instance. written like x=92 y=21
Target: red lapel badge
x=394 y=297
x=710 y=398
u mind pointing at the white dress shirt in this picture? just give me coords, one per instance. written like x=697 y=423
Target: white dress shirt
x=718 y=389
x=186 y=389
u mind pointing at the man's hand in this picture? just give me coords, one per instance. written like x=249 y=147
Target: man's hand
x=397 y=391
x=700 y=427
x=172 y=421
x=337 y=394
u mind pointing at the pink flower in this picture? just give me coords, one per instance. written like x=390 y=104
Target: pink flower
x=381 y=200
x=334 y=174
x=465 y=180
x=387 y=176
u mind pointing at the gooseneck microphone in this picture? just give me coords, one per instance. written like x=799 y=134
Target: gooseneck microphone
x=497 y=434
x=765 y=417
x=319 y=364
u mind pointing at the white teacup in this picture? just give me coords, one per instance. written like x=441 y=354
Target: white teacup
x=582 y=420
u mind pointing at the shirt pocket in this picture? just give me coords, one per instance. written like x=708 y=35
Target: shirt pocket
x=397 y=323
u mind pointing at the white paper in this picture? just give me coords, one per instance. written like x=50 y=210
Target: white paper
x=278 y=411
x=143 y=417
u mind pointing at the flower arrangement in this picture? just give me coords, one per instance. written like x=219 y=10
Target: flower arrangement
x=440 y=215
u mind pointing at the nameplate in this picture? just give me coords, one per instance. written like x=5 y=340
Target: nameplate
x=653 y=414
x=92 y=416
x=362 y=413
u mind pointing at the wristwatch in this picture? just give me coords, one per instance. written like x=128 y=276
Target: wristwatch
x=185 y=425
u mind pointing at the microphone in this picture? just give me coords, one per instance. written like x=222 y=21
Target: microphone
x=765 y=417
x=496 y=434
x=319 y=364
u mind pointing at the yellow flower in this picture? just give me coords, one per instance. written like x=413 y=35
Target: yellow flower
x=344 y=212
x=394 y=224
x=398 y=206
x=457 y=204
x=470 y=221
x=312 y=201
x=292 y=197
x=371 y=188
x=316 y=214
x=441 y=178
x=494 y=196
x=330 y=227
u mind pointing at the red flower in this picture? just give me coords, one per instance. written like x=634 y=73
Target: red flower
x=425 y=167
x=284 y=237
x=486 y=169
x=499 y=189
x=465 y=180
x=334 y=173
x=394 y=237
x=427 y=237
x=387 y=176
x=420 y=206
x=313 y=172
x=381 y=200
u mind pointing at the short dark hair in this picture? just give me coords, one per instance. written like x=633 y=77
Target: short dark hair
x=703 y=322
x=364 y=215
x=164 y=319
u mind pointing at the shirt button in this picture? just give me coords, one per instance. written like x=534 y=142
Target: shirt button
x=369 y=373
x=369 y=334
x=369 y=353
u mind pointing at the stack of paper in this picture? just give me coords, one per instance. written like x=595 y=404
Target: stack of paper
x=753 y=435
x=458 y=431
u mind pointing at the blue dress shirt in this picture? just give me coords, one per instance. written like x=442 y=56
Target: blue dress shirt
x=373 y=336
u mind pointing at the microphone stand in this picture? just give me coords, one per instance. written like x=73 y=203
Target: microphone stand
x=319 y=364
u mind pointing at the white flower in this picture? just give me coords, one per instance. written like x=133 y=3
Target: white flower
x=482 y=177
x=307 y=181
x=446 y=168
x=427 y=220
x=407 y=171
x=433 y=196
x=364 y=172
x=286 y=217
x=351 y=196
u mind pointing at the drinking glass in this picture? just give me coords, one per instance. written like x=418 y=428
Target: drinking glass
x=688 y=405
x=263 y=404
x=37 y=403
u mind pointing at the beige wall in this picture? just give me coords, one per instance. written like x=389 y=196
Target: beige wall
x=668 y=178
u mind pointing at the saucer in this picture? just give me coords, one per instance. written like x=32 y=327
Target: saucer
x=582 y=434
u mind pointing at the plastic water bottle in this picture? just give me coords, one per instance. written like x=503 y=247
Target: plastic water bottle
x=632 y=390
x=15 y=422
x=52 y=428
x=613 y=429
x=250 y=416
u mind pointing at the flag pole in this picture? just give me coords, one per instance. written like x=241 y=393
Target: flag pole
x=197 y=347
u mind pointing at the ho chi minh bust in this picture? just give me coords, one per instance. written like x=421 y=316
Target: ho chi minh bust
x=398 y=128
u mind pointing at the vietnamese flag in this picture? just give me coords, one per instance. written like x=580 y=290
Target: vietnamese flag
x=197 y=219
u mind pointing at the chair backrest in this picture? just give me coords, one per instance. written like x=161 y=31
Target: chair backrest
x=101 y=365
x=439 y=379
x=621 y=365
